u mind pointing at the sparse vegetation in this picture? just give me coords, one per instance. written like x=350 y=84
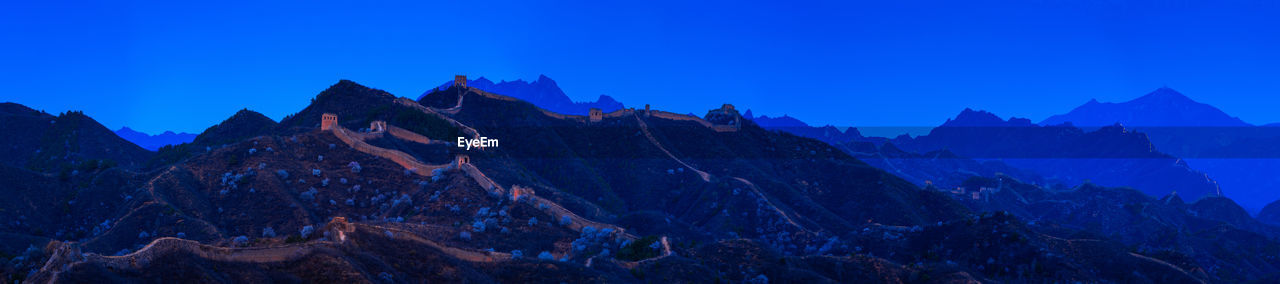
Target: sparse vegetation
x=639 y=249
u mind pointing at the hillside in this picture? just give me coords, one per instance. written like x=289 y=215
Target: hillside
x=628 y=196
x=690 y=173
x=63 y=143
x=1188 y=235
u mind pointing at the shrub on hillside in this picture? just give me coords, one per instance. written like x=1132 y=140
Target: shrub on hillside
x=639 y=249
x=307 y=231
x=240 y=241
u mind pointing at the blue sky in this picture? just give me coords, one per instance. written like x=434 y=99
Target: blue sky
x=185 y=66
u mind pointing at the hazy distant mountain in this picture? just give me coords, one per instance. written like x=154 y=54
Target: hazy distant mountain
x=1163 y=107
x=1242 y=158
x=1109 y=156
x=829 y=134
x=154 y=142
x=1271 y=213
x=939 y=168
x=543 y=92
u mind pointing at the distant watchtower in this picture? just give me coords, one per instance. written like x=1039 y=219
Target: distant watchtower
x=460 y=80
x=377 y=126
x=462 y=160
x=733 y=124
x=328 y=120
x=595 y=115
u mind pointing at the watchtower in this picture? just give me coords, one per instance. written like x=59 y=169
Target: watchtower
x=377 y=126
x=328 y=120
x=518 y=191
x=460 y=80
x=595 y=115
x=462 y=160
x=733 y=123
x=339 y=227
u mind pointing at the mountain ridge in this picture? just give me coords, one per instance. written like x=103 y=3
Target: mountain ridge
x=1163 y=107
x=154 y=142
x=1112 y=156
x=543 y=92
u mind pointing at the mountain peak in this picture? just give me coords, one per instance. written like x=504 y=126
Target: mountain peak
x=346 y=90
x=482 y=81
x=17 y=109
x=345 y=83
x=543 y=80
x=1162 y=107
x=153 y=142
x=247 y=113
x=971 y=117
x=606 y=99
x=542 y=92
x=1164 y=94
x=243 y=124
x=981 y=118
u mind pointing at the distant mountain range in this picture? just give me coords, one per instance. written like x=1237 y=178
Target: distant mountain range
x=542 y=92
x=154 y=142
x=1110 y=156
x=1163 y=107
x=1241 y=157
x=828 y=133
x=1179 y=126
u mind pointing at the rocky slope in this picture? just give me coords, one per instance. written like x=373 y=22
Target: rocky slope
x=632 y=197
x=542 y=92
x=1193 y=236
x=67 y=142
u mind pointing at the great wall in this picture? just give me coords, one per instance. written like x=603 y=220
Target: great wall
x=644 y=127
x=357 y=140
x=68 y=254
x=596 y=116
